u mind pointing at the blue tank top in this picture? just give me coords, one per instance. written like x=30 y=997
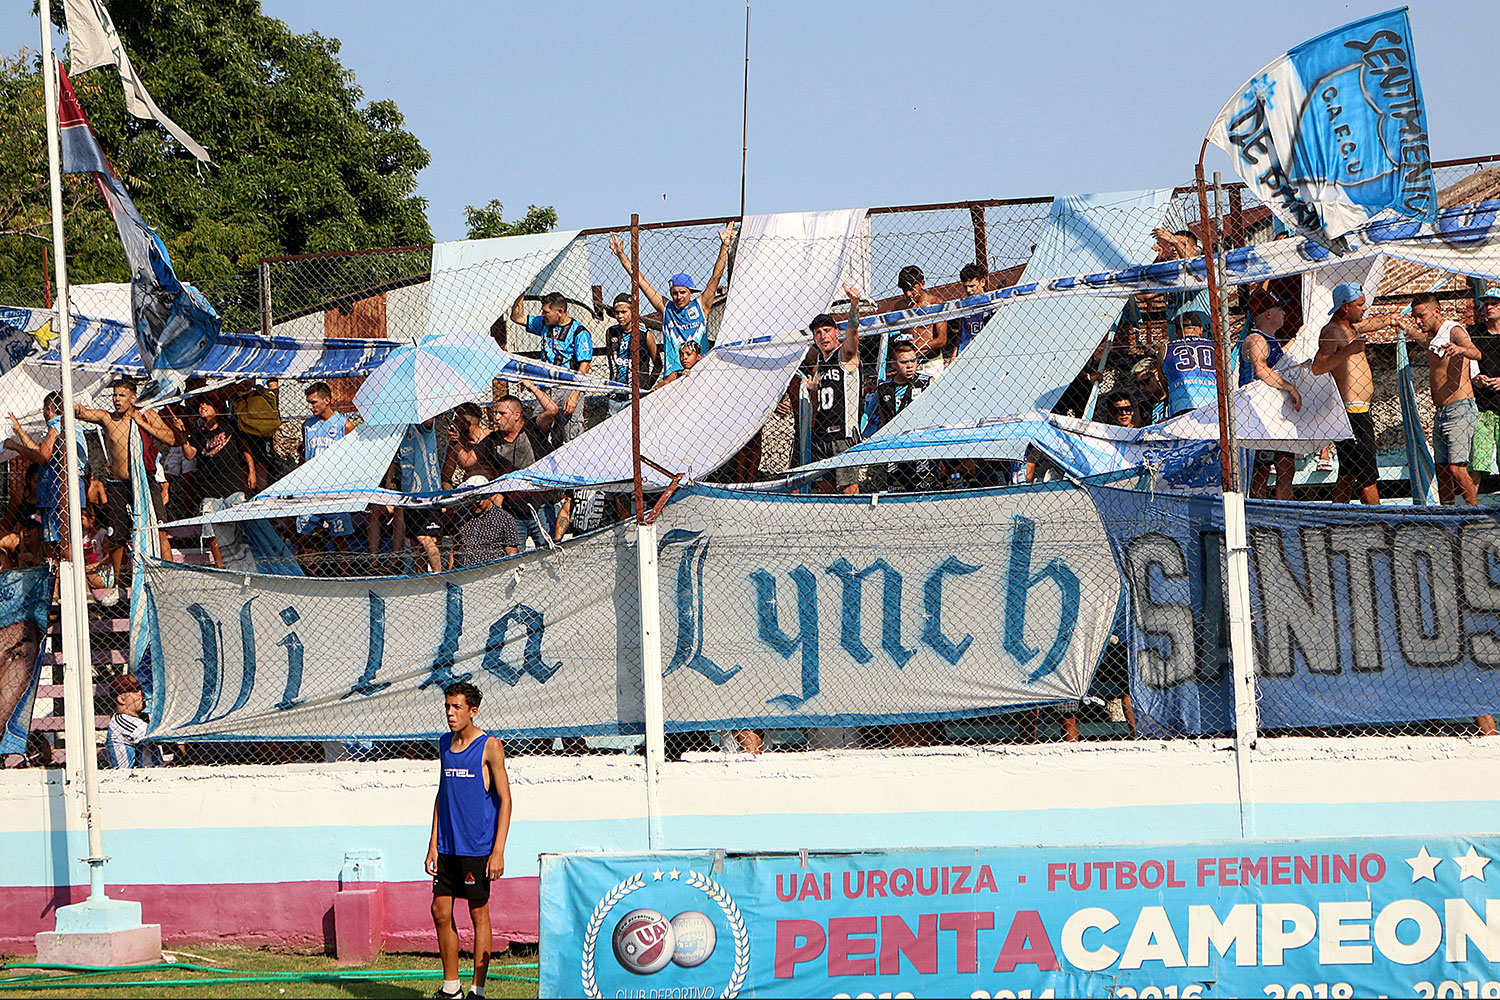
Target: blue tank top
x=466 y=811
x=1273 y=357
x=678 y=325
x=1188 y=368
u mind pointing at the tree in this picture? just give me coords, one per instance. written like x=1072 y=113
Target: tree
x=301 y=163
x=488 y=222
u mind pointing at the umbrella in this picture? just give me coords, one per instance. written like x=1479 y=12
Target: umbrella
x=440 y=371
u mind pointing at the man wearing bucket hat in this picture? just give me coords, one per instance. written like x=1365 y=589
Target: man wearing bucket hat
x=1341 y=353
x=682 y=316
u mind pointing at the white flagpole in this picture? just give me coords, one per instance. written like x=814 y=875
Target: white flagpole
x=77 y=653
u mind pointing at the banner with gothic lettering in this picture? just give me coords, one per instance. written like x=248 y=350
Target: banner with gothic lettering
x=832 y=612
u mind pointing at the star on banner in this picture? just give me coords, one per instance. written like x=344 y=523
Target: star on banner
x=675 y=874
x=1424 y=865
x=1471 y=865
x=45 y=335
x=656 y=875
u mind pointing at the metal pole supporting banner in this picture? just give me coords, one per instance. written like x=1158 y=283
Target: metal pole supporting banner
x=1241 y=653
x=646 y=571
x=78 y=658
x=1237 y=570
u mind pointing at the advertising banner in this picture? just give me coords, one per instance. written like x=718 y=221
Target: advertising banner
x=1283 y=919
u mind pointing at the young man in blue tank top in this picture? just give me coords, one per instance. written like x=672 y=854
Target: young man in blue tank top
x=470 y=821
x=683 y=317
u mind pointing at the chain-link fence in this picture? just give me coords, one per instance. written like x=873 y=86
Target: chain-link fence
x=1009 y=532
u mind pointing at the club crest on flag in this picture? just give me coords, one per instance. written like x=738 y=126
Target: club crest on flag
x=1334 y=132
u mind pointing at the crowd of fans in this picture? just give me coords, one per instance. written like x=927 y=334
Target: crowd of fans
x=217 y=448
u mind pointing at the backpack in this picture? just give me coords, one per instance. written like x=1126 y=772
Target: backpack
x=255 y=412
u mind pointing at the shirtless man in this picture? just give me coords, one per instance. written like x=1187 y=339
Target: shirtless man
x=931 y=340
x=1341 y=352
x=128 y=419
x=1449 y=351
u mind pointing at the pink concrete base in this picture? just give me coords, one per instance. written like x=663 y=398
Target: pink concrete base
x=358 y=925
x=135 y=946
x=294 y=914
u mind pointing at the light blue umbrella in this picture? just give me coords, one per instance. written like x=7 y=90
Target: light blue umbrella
x=442 y=370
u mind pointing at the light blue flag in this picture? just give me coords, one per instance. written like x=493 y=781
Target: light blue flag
x=175 y=327
x=1335 y=131
x=1419 y=465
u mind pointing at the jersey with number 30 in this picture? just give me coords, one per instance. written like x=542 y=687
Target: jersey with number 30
x=1188 y=369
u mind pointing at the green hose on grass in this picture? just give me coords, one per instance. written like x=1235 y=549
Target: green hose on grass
x=76 y=972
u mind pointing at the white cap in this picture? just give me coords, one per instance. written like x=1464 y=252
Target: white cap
x=474 y=481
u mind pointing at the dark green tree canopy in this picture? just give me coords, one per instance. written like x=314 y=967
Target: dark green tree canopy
x=301 y=163
x=489 y=221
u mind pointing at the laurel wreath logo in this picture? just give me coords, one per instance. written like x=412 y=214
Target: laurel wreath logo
x=703 y=884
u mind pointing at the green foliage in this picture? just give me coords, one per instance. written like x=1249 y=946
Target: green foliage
x=301 y=164
x=488 y=222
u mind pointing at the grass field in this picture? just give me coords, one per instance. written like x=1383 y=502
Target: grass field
x=242 y=972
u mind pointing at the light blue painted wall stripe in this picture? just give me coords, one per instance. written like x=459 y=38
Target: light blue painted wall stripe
x=294 y=854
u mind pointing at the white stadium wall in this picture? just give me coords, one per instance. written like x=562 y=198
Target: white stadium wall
x=257 y=853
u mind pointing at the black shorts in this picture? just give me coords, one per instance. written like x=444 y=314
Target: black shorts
x=120 y=503
x=1357 y=454
x=426 y=521
x=462 y=877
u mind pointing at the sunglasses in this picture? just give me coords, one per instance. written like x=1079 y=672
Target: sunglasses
x=1122 y=409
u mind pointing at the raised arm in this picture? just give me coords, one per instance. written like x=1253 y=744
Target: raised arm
x=652 y=295
x=711 y=289
x=547 y=408
x=849 y=349
x=88 y=415
x=23 y=444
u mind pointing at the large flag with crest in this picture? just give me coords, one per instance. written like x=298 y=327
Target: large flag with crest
x=1335 y=131
x=175 y=327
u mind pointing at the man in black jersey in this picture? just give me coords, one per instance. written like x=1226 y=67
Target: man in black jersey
x=891 y=397
x=835 y=389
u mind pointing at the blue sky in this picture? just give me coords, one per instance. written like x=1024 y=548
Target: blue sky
x=603 y=108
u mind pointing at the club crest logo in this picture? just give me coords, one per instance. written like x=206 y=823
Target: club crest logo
x=645 y=942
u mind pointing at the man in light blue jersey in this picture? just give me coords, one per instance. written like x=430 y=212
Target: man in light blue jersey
x=325 y=426
x=683 y=317
x=566 y=343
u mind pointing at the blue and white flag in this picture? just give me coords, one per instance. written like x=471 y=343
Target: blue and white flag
x=175 y=327
x=1335 y=132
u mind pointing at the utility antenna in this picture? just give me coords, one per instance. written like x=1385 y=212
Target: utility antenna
x=745 y=112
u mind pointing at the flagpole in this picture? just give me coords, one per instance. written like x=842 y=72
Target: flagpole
x=71 y=584
x=1236 y=535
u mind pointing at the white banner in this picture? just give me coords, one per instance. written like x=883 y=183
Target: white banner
x=776 y=612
